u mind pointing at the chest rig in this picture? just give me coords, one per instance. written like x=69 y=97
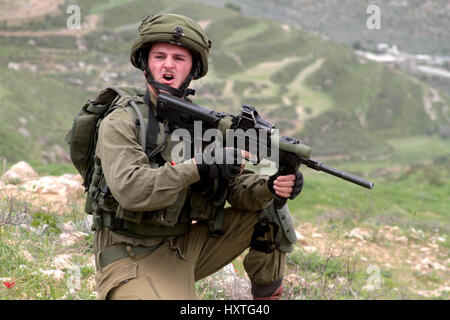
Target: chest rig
x=191 y=204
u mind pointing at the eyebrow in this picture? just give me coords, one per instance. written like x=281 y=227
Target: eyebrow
x=175 y=54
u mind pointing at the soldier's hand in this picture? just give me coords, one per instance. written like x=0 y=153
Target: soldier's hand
x=222 y=163
x=288 y=186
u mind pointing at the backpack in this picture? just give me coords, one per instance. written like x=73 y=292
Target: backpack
x=82 y=137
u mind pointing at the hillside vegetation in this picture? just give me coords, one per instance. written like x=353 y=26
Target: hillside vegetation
x=359 y=116
x=388 y=243
x=317 y=90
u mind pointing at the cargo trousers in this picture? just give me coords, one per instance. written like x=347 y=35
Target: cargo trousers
x=170 y=271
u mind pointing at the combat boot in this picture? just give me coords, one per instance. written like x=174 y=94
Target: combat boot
x=274 y=296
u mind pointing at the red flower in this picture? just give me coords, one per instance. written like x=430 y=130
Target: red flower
x=8 y=284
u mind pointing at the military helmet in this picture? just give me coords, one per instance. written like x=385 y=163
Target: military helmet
x=175 y=29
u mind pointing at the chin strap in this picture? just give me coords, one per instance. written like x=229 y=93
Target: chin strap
x=181 y=92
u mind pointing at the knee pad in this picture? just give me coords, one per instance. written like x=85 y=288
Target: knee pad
x=274 y=230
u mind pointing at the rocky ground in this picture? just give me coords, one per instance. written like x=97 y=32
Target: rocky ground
x=385 y=258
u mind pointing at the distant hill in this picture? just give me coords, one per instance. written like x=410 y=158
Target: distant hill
x=416 y=26
x=314 y=89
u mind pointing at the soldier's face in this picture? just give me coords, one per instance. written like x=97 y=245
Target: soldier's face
x=170 y=64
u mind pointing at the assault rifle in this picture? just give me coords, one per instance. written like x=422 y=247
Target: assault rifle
x=180 y=113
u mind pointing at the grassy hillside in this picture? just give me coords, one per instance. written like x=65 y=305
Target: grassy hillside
x=35 y=114
x=313 y=89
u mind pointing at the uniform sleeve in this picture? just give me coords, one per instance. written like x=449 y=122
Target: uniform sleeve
x=133 y=183
x=250 y=192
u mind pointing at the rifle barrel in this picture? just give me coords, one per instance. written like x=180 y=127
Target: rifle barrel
x=318 y=165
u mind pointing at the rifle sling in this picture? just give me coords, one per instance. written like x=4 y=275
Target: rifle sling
x=152 y=128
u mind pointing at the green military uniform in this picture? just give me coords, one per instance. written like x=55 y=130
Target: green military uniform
x=153 y=236
x=173 y=263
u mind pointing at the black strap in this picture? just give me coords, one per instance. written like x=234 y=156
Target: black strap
x=158 y=86
x=152 y=127
x=216 y=225
x=139 y=230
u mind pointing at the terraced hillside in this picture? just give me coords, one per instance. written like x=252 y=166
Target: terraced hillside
x=317 y=90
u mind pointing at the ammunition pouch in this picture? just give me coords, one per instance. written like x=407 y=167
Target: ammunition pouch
x=107 y=212
x=274 y=230
x=208 y=204
x=171 y=221
x=203 y=208
x=167 y=217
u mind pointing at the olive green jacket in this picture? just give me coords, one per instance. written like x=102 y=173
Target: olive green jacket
x=139 y=187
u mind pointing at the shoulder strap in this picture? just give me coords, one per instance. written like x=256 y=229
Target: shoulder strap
x=152 y=128
x=121 y=92
x=141 y=123
x=145 y=119
x=149 y=134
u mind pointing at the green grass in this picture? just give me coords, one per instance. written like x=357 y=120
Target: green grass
x=255 y=52
x=121 y=13
x=242 y=35
x=27 y=252
x=220 y=29
x=285 y=75
x=53 y=169
x=416 y=149
x=411 y=201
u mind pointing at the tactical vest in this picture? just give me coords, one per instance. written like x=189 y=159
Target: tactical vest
x=171 y=221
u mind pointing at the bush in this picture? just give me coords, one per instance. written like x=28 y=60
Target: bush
x=233 y=7
x=42 y=219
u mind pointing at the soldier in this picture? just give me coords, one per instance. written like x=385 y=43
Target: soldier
x=161 y=226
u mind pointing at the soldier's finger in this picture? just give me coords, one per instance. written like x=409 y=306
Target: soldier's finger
x=283 y=194
x=283 y=189
x=289 y=177
x=288 y=183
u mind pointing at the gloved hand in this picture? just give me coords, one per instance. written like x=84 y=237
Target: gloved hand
x=288 y=186
x=227 y=165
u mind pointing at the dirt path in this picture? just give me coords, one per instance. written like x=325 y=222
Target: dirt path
x=306 y=72
x=432 y=95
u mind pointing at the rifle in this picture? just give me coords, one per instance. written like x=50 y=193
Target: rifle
x=179 y=113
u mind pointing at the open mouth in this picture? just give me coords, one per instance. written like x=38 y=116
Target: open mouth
x=168 y=78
